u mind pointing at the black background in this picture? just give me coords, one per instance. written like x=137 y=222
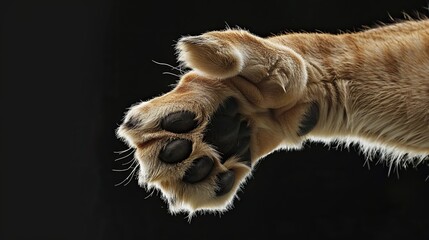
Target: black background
x=69 y=70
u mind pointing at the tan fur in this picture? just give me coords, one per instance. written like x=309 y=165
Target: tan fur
x=372 y=88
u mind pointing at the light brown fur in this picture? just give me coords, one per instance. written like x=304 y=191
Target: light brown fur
x=372 y=88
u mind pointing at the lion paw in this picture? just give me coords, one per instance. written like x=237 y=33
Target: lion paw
x=197 y=144
x=197 y=159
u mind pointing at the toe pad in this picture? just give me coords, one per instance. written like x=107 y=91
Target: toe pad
x=176 y=151
x=179 y=122
x=225 y=182
x=199 y=170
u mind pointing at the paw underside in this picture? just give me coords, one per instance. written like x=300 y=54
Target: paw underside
x=192 y=179
x=210 y=181
x=227 y=132
x=199 y=162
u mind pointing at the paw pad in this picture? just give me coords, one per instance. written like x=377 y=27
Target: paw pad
x=310 y=119
x=206 y=161
x=179 y=122
x=229 y=133
x=176 y=151
x=225 y=182
x=200 y=169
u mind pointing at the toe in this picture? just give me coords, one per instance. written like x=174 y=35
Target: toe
x=179 y=122
x=199 y=170
x=225 y=182
x=176 y=151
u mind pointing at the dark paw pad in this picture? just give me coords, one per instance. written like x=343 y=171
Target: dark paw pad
x=225 y=182
x=179 y=122
x=229 y=133
x=223 y=134
x=133 y=122
x=176 y=151
x=199 y=170
x=310 y=119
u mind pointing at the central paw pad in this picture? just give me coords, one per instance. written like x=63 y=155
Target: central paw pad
x=228 y=133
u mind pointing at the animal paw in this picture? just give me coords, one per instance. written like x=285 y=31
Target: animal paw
x=196 y=152
x=198 y=143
